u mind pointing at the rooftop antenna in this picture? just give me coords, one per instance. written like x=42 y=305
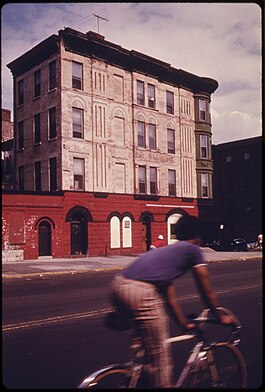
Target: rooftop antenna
x=100 y=17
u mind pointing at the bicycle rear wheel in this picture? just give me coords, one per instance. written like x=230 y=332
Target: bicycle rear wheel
x=113 y=377
x=222 y=366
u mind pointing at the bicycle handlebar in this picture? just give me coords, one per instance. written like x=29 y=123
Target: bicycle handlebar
x=204 y=318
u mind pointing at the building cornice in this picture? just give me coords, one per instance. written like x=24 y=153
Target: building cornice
x=94 y=45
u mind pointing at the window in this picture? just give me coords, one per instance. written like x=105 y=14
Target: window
x=140 y=92
x=170 y=141
x=20 y=135
x=153 y=180
x=204 y=185
x=204 y=146
x=52 y=123
x=115 y=235
x=78 y=128
x=142 y=179
x=152 y=136
x=79 y=174
x=126 y=232
x=37 y=175
x=37 y=137
x=202 y=109
x=21 y=178
x=77 y=75
x=171 y=182
x=52 y=75
x=141 y=134
x=246 y=156
x=53 y=174
x=151 y=95
x=21 y=92
x=170 y=102
x=37 y=89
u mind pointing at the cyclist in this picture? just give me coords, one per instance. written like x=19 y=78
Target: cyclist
x=146 y=285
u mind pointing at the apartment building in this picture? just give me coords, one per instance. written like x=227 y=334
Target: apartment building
x=92 y=118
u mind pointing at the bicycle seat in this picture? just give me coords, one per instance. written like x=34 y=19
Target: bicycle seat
x=118 y=321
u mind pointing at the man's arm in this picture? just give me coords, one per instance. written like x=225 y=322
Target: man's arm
x=175 y=310
x=202 y=279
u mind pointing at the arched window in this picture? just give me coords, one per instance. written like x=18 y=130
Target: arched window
x=115 y=236
x=126 y=232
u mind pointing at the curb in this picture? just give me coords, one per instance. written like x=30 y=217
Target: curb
x=103 y=269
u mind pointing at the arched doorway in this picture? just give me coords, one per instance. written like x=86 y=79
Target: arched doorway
x=172 y=217
x=146 y=218
x=44 y=239
x=78 y=218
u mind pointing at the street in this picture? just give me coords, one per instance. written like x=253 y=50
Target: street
x=53 y=334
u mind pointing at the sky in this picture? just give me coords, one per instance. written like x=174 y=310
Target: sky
x=217 y=40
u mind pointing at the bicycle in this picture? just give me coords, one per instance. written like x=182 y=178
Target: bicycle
x=209 y=365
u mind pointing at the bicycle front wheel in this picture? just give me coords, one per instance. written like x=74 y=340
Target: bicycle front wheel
x=112 y=377
x=222 y=366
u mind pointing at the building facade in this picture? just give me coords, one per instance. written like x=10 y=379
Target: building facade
x=93 y=118
x=237 y=186
x=7 y=150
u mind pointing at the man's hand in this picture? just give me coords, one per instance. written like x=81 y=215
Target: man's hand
x=227 y=320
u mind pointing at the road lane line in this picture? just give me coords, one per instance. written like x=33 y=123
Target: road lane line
x=100 y=312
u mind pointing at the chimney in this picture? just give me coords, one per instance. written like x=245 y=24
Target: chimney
x=96 y=36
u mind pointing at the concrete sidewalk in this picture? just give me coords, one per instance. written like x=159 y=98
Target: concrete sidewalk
x=47 y=265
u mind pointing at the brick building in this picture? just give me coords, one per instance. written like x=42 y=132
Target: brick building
x=7 y=150
x=237 y=186
x=98 y=125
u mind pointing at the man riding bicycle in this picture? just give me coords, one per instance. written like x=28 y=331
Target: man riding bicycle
x=147 y=285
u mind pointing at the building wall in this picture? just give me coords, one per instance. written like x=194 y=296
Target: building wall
x=24 y=213
x=238 y=187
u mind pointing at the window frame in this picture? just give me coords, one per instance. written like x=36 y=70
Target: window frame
x=202 y=110
x=77 y=78
x=171 y=131
x=151 y=97
x=141 y=134
x=140 y=92
x=52 y=75
x=81 y=124
x=37 y=176
x=152 y=136
x=204 y=148
x=52 y=123
x=78 y=177
x=37 y=83
x=153 y=180
x=37 y=129
x=20 y=135
x=169 y=104
x=20 y=92
x=142 y=185
x=172 y=185
x=205 y=185
x=53 y=173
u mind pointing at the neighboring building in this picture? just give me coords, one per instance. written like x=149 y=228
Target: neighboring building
x=237 y=186
x=7 y=150
x=92 y=117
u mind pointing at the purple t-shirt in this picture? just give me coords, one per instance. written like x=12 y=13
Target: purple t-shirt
x=161 y=266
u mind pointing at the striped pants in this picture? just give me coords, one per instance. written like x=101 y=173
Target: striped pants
x=146 y=305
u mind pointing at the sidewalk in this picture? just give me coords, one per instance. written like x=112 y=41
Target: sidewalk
x=47 y=265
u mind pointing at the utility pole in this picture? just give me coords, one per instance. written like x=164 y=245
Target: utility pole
x=100 y=17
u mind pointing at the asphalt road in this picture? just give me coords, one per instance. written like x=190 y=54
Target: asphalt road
x=53 y=333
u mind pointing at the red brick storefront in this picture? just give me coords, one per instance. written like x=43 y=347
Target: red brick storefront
x=69 y=223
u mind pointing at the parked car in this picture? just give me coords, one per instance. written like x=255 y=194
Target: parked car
x=234 y=245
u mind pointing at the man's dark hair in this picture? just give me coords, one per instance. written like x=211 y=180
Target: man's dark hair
x=188 y=227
